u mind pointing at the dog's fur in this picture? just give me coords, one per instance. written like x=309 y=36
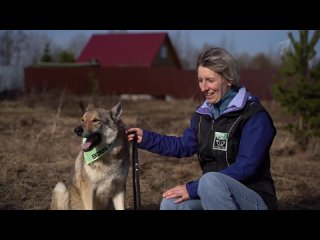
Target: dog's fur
x=93 y=186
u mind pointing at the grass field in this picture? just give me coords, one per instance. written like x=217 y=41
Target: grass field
x=38 y=148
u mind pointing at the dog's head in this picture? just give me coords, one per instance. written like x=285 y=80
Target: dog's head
x=97 y=125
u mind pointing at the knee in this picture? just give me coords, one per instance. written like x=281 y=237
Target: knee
x=167 y=204
x=210 y=180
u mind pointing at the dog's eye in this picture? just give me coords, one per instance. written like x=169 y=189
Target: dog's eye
x=95 y=120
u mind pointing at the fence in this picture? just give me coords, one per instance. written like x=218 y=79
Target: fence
x=157 y=82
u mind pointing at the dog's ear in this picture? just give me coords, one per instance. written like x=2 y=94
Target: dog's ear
x=82 y=108
x=116 y=111
x=90 y=107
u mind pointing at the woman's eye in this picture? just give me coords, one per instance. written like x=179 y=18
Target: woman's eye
x=96 y=120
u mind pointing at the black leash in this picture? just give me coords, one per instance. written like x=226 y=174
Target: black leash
x=135 y=173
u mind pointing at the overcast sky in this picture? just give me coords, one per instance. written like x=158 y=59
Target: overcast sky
x=236 y=41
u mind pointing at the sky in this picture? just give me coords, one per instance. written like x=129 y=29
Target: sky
x=236 y=41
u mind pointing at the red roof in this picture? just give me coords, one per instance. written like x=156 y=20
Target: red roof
x=123 y=49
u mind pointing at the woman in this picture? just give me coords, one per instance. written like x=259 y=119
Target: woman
x=231 y=134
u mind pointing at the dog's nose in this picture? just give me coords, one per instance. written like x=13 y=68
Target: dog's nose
x=78 y=130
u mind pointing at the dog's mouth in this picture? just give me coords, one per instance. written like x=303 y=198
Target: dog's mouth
x=91 y=141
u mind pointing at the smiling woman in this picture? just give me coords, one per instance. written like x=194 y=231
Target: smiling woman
x=231 y=133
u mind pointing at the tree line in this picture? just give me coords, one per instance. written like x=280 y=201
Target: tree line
x=22 y=48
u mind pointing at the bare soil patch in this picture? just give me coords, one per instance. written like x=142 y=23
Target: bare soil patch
x=34 y=156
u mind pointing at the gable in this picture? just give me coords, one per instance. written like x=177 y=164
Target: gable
x=129 y=50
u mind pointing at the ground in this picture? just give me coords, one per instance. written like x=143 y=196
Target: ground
x=38 y=148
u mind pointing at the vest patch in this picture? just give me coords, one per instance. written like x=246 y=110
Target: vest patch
x=220 y=141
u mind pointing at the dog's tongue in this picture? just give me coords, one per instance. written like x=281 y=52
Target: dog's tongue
x=87 y=144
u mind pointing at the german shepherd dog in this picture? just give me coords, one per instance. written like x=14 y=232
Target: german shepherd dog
x=101 y=168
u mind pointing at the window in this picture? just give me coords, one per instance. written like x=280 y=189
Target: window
x=163 y=51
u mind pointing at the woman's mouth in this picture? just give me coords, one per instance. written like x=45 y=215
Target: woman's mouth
x=209 y=94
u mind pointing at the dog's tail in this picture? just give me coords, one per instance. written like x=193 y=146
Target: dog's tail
x=60 y=197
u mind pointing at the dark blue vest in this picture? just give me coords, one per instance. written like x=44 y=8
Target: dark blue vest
x=218 y=147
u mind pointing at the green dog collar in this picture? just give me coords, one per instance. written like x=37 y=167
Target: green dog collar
x=96 y=152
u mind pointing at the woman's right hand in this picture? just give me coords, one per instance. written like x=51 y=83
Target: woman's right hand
x=130 y=133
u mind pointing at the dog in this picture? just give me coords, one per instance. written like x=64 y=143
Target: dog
x=100 y=171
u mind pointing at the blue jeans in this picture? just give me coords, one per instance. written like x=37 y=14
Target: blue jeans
x=218 y=191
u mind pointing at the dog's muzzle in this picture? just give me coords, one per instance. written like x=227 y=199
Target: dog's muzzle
x=79 y=131
x=91 y=141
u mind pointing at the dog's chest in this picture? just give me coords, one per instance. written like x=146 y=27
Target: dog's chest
x=100 y=173
x=104 y=179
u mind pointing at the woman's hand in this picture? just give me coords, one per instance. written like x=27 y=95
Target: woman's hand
x=131 y=131
x=179 y=192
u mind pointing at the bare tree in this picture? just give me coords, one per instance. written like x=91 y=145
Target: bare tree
x=243 y=60
x=227 y=42
x=77 y=43
x=186 y=50
x=6 y=47
x=35 y=43
x=177 y=42
x=19 y=48
x=262 y=61
x=12 y=45
x=19 y=44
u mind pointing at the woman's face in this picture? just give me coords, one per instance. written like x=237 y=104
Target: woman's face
x=212 y=85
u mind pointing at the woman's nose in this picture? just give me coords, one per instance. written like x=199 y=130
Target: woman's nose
x=203 y=87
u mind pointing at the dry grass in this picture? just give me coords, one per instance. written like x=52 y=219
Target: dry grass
x=33 y=161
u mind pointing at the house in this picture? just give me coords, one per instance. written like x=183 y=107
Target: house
x=117 y=64
x=139 y=50
x=131 y=64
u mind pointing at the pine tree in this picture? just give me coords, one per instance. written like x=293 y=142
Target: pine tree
x=66 y=57
x=298 y=90
x=46 y=57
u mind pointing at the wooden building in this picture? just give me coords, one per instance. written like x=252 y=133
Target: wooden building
x=131 y=64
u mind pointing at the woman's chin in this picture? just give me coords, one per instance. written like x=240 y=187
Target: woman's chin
x=210 y=101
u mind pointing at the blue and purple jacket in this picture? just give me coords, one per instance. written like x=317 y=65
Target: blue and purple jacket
x=256 y=139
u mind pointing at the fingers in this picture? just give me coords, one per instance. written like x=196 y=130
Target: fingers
x=173 y=194
x=179 y=192
x=131 y=132
x=179 y=200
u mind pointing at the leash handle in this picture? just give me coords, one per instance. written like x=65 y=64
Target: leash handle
x=135 y=172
